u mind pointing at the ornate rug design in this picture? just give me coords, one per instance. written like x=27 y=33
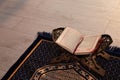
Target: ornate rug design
x=37 y=63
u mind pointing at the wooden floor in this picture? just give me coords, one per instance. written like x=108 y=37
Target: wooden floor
x=20 y=20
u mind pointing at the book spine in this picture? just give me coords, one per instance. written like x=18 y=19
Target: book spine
x=81 y=39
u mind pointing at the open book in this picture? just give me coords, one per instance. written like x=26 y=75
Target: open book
x=76 y=43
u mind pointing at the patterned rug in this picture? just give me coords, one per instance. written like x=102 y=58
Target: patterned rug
x=38 y=63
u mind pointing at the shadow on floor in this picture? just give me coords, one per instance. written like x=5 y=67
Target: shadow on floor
x=10 y=7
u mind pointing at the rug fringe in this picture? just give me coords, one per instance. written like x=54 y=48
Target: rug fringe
x=45 y=35
x=113 y=50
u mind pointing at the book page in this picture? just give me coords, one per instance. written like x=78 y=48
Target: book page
x=69 y=39
x=88 y=45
